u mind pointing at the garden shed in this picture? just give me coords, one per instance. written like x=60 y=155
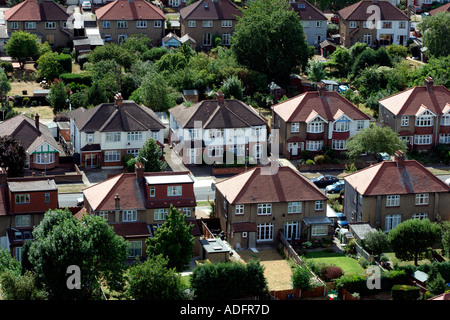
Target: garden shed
x=214 y=250
x=359 y=230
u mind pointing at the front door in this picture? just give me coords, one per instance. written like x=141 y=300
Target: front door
x=293 y=148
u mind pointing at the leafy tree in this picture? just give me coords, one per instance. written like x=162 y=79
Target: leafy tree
x=339 y=62
x=78 y=99
x=376 y=242
x=8 y=263
x=150 y=155
x=153 y=280
x=436 y=34
x=113 y=51
x=437 y=68
x=396 y=50
x=316 y=71
x=301 y=278
x=155 y=92
x=108 y=75
x=412 y=238
x=233 y=88
x=96 y=94
x=20 y=287
x=49 y=66
x=173 y=240
x=137 y=43
x=435 y=282
x=61 y=240
x=22 y=45
x=5 y=86
x=373 y=140
x=57 y=97
x=154 y=53
x=446 y=238
x=266 y=39
x=12 y=156
x=370 y=57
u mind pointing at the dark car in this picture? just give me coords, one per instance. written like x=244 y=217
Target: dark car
x=324 y=180
x=341 y=219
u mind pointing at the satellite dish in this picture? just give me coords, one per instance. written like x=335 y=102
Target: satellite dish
x=213 y=186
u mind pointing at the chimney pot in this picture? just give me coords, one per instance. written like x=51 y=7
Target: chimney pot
x=429 y=84
x=321 y=89
x=118 y=99
x=400 y=158
x=220 y=97
x=36 y=121
x=117 y=201
x=139 y=169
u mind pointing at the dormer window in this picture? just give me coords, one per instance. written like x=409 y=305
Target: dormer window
x=315 y=126
x=424 y=120
x=445 y=120
x=342 y=125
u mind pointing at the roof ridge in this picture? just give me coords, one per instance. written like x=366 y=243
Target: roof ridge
x=194 y=6
x=246 y=184
x=107 y=121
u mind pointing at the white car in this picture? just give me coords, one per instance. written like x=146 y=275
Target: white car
x=86 y=5
x=447 y=181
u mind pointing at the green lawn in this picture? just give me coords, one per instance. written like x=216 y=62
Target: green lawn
x=347 y=264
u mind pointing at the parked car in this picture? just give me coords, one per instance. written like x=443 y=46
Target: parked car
x=324 y=180
x=335 y=19
x=341 y=219
x=335 y=187
x=86 y=5
x=383 y=156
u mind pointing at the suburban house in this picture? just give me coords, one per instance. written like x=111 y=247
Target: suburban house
x=254 y=206
x=390 y=192
x=443 y=8
x=136 y=204
x=44 y=18
x=315 y=119
x=120 y=19
x=359 y=23
x=22 y=207
x=206 y=19
x=420 y=115
x=102 y=135
x=42 y=150
x=217 y=131
x=313 y=20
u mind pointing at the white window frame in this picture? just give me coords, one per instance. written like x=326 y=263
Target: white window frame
x=444 y=138
x=386 y=24
x=226 y=39
x=30 y=25
x=14 y=25
x=187 y=212
x=423 y=139
x=122 y=24
x=319 y=230
x=318 y=24
x=359 y=125
x=239 y=209
x=422 y=199
x=106 y=24
x=264 y=209
x=47 y=197
x=294 y=207
x=129 y=215
x=174 y=191
x=135 y=249
x=157 y=24
x=141 y=24
x=292 y=226
x=315 y=126
x=352 y=25
x=341 y=126
x=207 y=39
x=314 y=145
x=50 y=25
x=113 y=136
x=227 y=23
x=103 y=214
x=23 y=198
x=445 y=119
x=339 y=144
x=152 y=192
x=295 y=127
x=134 y=136
x=160 y=214
x=112 y=156
x=318 y=205
x=216 y=133
x=23 y=220
x=192 y=24
x=404 y=122
x=207 y=23
x=391 y=221
x=217 y=150
x=420 y=216
x=425 y=120
x=44 y=158
x=89 y=137
x=393 y=200
x=264 y=232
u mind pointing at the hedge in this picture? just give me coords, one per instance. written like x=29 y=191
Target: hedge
x=80 y=78
x=405 y=292
x=65 y=60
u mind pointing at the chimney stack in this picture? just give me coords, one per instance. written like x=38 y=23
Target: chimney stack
x=139 y=169
x=400 y=158
x=429 y=84
x=118 y=99
x=220 y=98
x=3 y=176
x=117 y=207
x=36 y=121
x=321 y=89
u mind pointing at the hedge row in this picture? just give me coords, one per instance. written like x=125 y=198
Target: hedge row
x=79 y=78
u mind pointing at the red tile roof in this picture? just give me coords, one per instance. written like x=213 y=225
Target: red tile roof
x=131 y=229
x=308 y=105
x=361 y=11
x=443 y=8
x=307 y=11
x=256 y=186
x=210 y=10
x=129 y=10
x=389 y=177
x=34 y=10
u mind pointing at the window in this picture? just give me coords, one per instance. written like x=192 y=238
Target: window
x=30 y=25
x=226 y=39
x=319 y=230
x=404 y=122
x=318 y=24
x=194 y=133
x=227 y=23
x=359 y=125
x=103 y=214
x=265 y=232
x=152 y=192
x=367 y=38
x=173 y=191
x=22 y=199
x=422 y=199
x=192 y=24
x=89 y=137
x=135 y=248
x=445 y=120
x=391 y=221
x=215 y=133
x=121 y=24
x=305 y=24
x=342 y=125
x=141 y=24
x=352 y=24
x=425 y=120
x=239 y=209
x=207 y=23
x=423 y=139
x=18 y=254
x=292 y=230
x=444 y=138
x=122 y=38
x=23 y=220
x=264 y=209
x=187 y=212
x=339 y=144
x=113 y=136
x=112 y=155
x=256 y=131
x=106 y=24
x=14 y=25
x=157 y=24
x=402 y=25
x=318 y=206
x=134 y=152
x=393 y=201
x=367 y=25
x=50 y=25
x=155 y=135
x=134 y=136
x=315 y=126
x=50 y=38
x=420 y=216
x=207 y=39
x=215 y=151
x=314 y=145
x=47 y=197
x=160 y=214
x=294 y=207
x=295 y=127
x=129 y=215
x=44 y=158
x=387 y=25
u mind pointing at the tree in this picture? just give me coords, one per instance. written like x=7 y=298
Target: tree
x=113 y=51
x=12 y=156
x=412 y=238
x=339 y=62
x=96 y=94
x=316 y=71
x=22 y=45
x=150 y=155
x=436 y=34
x=5 y=86
x=153 y=280
x=396 y=50
x=57 y=97
x=301 y=278
x=49 y=66
x=155 y=93
x=173 y=240
x=373 y=140
x=446 y=238
x=62 y=240
x=376 y=242
x=108 y=75
x=8 y=263
x=266 y=39
x=232 y=88
x=20 y=287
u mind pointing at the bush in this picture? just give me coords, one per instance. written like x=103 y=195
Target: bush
x=332 y=273
x=301 y=278
x=78 y=78
x=352 y=283
x=310 y=162
x=322 y=159
x=7 y=66
x=405 y=292
x=65 y=60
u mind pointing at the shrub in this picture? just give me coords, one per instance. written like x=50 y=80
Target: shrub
x=65 y=60
x=332 y=273
x=405 y=292
x=301 y=278
x=310 y=162
x=322 y=159
x=78 y=78
x=352 y=283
